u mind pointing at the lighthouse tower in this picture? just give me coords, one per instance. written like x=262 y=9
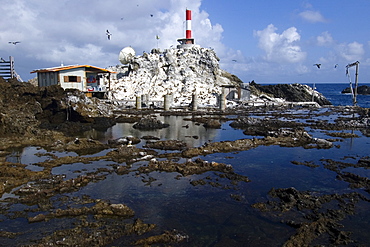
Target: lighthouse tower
x=188 y=41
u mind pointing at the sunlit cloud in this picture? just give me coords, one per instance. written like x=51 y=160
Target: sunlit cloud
x=325 y=39
x=312 y=16
x=352 y=51
x=280 y=47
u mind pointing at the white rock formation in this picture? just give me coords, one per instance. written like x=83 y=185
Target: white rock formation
x=180 y=72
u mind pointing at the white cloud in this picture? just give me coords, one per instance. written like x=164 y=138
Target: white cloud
x=312 y=16
x=325 y=39
x=74 y=31
x=352 y=51
x=280 y=47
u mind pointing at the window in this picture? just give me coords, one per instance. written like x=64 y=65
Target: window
x=72 y=78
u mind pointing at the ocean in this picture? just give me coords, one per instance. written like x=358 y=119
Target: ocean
x=332 y=91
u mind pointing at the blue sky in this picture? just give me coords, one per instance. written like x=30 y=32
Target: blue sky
x=264 y=41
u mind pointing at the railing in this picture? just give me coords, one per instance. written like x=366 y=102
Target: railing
x=7 y=69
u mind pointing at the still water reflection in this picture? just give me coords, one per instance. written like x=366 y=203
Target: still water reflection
x=180 y=128
x=209 y=214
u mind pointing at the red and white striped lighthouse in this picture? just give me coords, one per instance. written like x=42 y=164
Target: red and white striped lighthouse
x=188 y=24
x=188 y=35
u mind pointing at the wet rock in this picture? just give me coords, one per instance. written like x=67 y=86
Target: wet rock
x=124 y=141
x=212 y=124
x=166 y=145
x=130 y=154
x=84 y=146
x=262 y=127
x=149 y=124
x=100 y=209
x=37 y=218
x=317 y=219
x=5 y=234
x=139 y=227
x=342 y=134
x=364 y=161
x=168 y=237
x=198 y=182
x=109 y=223
x=14 y=175
x=305 y=163
x=354 y=180
x=291 y=92
x=127 y=119
x=103 y=123
x=191 y=167
x=322 y=143
x=18 y=107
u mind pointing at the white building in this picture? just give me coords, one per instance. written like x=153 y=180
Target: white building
x=85 y=78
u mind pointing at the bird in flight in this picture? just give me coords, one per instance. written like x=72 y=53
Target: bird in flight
x=318 y=65
x=14 y=42
x=108 y=34
x=335 y=66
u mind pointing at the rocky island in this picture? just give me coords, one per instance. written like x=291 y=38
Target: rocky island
x=362 y=90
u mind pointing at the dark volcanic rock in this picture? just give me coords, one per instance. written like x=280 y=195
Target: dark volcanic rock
x=291 y=92
x=363 y=90
x=212 y=124
x=149 y=124
x=166 y=145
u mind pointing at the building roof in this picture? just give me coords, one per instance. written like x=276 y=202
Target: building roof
x=61 y=68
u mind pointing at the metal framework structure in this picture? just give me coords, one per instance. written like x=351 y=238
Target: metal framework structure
x=353 y=90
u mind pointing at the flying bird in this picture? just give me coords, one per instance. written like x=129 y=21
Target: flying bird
x=108 y=34
x=14 y=42
x=335 y=66
x=318 y=65
x=151 y=15
x=234 y=60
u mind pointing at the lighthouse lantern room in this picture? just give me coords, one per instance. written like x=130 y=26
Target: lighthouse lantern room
x=188 y=41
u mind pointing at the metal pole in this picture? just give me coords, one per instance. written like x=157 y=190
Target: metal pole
x=356 y=84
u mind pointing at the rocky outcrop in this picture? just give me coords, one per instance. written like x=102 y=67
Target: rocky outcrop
x=149 y=124
x=180 y=72
x=362 y=90
x=25 y=108
x=290 y=92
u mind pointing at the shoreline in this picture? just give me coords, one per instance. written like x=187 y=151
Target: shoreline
x=49 y=197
